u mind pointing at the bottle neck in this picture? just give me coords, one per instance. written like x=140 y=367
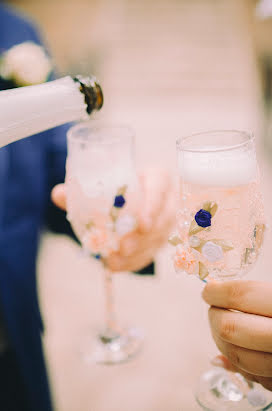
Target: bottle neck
x=92 y=91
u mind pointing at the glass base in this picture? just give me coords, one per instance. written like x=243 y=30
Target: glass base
x=116 y=348
x=221 y=390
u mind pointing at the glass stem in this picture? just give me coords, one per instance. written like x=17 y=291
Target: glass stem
x=111 y=328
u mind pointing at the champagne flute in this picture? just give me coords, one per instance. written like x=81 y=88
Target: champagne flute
x=220 y=229
x=101 y=181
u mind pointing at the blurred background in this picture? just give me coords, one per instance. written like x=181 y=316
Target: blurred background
x=167 y=67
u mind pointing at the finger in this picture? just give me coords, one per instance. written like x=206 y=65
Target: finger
x=244 y=330
x=159 y=233
x=130 y=244
x=221 y=361
x=155 y=184
x=136 y=243
x=252 y=362
x=117 y=262
x=58 y=196
x=265 y=382
x=248 y=296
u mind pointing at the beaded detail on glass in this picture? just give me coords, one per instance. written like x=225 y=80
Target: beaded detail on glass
x=101 y=239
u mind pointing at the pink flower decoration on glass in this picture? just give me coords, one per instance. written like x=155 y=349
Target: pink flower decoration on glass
x=185 y=260
x=97 y=240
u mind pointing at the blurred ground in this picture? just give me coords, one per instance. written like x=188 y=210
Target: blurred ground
x=168 y=68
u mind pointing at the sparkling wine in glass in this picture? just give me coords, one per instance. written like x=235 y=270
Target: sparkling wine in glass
x=220 y=229
x=102 y=191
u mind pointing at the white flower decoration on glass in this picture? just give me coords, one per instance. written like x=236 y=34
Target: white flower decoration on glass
x=194 y=241
x=114 y=243
x=212 y=252
x=26 y=64
x=125 y=224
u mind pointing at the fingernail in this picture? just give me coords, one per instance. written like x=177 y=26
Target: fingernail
x=218 y=362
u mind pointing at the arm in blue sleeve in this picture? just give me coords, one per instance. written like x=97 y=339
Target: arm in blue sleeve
x=56 y=158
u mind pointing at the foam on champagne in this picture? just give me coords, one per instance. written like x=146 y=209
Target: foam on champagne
x=102 y=171
x=218 y=168
x=106 y=183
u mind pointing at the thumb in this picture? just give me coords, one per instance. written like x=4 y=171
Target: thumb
x=58 y=196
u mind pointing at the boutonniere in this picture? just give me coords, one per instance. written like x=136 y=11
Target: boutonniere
x=25 y=64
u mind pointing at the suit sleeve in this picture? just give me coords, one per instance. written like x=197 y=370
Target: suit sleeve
x=56 y=152
x=56 y=157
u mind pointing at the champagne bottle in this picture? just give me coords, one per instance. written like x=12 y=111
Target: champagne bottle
x=29 y=110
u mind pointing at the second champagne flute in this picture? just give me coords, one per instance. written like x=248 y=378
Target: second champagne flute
x=220 y=229
x=102 y=191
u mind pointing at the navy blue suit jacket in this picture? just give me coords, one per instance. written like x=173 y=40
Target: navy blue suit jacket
x=28 y=171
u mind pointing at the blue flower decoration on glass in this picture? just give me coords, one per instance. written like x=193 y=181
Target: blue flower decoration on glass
x=119 y=201
x=203 y=218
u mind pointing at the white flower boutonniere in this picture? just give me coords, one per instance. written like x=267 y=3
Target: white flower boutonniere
x=25 y=64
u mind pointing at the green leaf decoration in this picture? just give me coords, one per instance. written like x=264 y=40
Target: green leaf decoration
x=195 y=228
x=259 y=235
x=203 y=271
x=207 y=206
x=122 y=190
x=199 y=246
x=174 y=240
x=226 y=245
x=247 y=255
x=89 y=225
x=114 y=213
x=211 y=207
